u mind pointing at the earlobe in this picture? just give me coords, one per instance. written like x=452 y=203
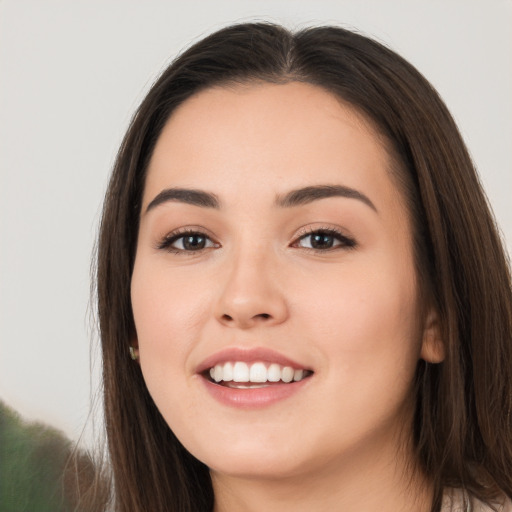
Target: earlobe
x=432 y=346
x=134 y=349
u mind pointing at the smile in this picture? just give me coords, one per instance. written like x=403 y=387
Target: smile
x=254 y=377
x=235 y=374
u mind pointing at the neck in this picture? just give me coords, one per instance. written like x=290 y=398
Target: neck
x=363 y=483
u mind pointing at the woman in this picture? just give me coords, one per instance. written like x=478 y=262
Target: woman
x=296 y=251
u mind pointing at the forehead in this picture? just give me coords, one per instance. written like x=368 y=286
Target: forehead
x=265 y=137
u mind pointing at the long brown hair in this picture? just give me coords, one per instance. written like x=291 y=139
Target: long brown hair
x=463 y=421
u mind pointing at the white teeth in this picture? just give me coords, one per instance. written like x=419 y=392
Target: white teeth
x=287 y=374
x=227 y=372
x=218 y=373
x=257 y=372
x=240 y=372
x=274 y=373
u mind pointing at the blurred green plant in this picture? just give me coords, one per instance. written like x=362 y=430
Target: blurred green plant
x=36 y=472
x=33 y=457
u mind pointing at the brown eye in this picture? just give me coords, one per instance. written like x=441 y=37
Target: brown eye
x=323 y=240
x=187 y=242
x=194 y=242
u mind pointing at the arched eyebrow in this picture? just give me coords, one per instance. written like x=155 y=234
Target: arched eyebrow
x=291 y=199
x=185 y=195
x=307 y=195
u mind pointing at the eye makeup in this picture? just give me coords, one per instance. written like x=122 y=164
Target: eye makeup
x=323 y=239
x=317 y=239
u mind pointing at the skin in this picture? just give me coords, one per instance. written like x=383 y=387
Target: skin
x=351 y=314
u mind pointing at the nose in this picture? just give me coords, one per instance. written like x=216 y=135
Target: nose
x=251 y=295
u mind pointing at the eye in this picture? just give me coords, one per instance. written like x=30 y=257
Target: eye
x=324 y=240
x=188 y=241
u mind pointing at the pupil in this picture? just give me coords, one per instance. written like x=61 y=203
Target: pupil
x=322 y=241
x=194 y=242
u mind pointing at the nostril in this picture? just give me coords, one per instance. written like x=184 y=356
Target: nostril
x=263 y=316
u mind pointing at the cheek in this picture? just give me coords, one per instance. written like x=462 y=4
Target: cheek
x=165 y=307
x=369 y=344
x=372 y=316
x=168 y=315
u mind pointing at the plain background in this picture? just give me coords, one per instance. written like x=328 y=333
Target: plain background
x=71 y=75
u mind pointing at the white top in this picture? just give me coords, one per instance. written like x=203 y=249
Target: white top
x=453 y=502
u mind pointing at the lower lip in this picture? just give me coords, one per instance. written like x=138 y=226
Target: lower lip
x=253 y=398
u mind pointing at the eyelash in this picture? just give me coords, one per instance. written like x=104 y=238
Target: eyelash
x=171 y=238
x=345 y=242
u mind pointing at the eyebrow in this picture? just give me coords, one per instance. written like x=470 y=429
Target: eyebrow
x=307 y=195
x=291 y=199
x=185 y=195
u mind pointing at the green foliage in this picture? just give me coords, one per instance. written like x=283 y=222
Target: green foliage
x=33 y=458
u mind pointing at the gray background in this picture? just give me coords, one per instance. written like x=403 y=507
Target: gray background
x=71 y=74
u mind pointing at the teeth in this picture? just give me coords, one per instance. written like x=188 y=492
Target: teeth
x=240 y=372
x=227 y=372
x=274 y=373
x=257 y=372
x=287 y=374
x=217 y=374
x=298 y=375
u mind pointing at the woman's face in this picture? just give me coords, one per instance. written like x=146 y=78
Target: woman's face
x=274 y=245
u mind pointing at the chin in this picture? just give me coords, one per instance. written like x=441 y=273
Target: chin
x=246 y=459
x=257 y=467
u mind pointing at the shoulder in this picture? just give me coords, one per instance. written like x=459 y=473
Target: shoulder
x=454 y=500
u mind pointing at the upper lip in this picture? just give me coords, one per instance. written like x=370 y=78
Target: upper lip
x=248 y=355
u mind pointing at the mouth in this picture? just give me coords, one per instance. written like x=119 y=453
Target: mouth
x=254 y=375
x=252 y=378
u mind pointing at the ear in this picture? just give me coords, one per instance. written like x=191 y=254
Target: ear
x=432 y=345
